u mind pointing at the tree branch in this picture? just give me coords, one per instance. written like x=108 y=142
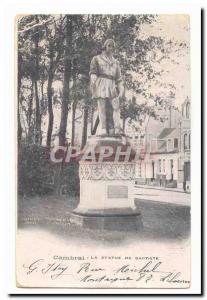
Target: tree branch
x=34 y=26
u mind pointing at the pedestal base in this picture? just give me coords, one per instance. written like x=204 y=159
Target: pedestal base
x=108 y=219
x=107 y=189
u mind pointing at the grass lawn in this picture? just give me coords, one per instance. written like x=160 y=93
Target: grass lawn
x=162 y=221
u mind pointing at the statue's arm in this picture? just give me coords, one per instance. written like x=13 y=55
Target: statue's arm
x=93 y=72
x=119 y=82
x=93 y=78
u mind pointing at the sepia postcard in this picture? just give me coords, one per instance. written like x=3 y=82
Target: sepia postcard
x=104 y=151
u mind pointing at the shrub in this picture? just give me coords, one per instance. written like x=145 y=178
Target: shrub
x=37 y=175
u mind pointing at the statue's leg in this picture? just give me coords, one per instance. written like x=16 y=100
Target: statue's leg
x=109 y=117
x=102 y=115
x=116 y=115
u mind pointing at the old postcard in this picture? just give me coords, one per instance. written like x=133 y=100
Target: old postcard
x=104 y=151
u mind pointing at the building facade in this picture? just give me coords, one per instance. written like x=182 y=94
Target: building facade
x=166 y=161
x=184 y=175
x=161 y=161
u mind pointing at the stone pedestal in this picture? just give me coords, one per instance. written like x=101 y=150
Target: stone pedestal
x=107 y=192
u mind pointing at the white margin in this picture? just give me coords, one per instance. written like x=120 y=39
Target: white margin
x=7 y=127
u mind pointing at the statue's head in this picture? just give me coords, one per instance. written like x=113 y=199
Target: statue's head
x=109 y=46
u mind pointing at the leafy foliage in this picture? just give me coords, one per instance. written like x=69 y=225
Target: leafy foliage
x=137 y=55
x=44 y=53
x=36 y=173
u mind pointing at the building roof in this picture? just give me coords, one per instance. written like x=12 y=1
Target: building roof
x=162 y=141
x=166 y=132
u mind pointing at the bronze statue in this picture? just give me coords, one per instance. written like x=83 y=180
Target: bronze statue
x=107 y=88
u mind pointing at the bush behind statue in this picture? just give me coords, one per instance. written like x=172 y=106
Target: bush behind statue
x=37 y=175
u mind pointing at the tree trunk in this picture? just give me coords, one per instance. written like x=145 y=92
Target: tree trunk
x=37 y=116
x=18 y=94
x=30 y=112
x=85 y=125
x=67 y=76
x=65 y=100
x=19 y=128
x=123 y=124
x=37 y=102
x=50 y=110
x=74 y=106
x=95 y=126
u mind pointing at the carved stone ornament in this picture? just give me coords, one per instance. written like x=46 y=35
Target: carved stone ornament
x=106 y=171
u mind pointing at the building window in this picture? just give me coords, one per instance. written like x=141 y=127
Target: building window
x=189 y=141
x=163 y=165
x=176 y=143
x=153 y=169
x=160 y=165
x=141 y=141
x=169 y=144
x=185 y=141
x=171 y=169
x=188 y=110
x=140 y=170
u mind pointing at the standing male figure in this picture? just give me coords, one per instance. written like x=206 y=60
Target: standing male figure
x=107 y=88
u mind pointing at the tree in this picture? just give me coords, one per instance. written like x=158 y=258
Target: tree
x=66 y=79
x=61 y=48
x=54 y=38
x=29 y=114
x=20 y=71
x=36 y=78
x=74 y=107
x=31 y=36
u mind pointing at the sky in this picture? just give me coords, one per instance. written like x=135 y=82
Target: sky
x=176 y=28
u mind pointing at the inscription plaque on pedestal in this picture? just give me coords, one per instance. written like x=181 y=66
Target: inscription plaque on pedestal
x=117 y=191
